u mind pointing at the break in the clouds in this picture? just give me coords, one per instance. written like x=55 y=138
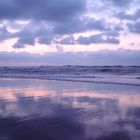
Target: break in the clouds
x=73 y=25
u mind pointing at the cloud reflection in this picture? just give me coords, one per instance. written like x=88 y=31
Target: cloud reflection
x=53 y=112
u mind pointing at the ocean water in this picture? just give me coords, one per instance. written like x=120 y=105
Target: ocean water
x=36 y=109
x=126 y=75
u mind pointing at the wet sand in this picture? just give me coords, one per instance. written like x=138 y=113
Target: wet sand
x=60 y=110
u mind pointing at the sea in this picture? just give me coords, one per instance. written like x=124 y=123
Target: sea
x=70 y=103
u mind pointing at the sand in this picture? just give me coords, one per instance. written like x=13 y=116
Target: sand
x=32 y=109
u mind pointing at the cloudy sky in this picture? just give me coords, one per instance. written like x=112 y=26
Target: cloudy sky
x=76 y=32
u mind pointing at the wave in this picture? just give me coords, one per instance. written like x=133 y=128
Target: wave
x=94 y=74
x=76 y=79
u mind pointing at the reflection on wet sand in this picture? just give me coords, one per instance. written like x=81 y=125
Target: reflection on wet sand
x=46 y=110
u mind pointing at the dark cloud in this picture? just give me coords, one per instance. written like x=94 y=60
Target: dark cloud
x=28 y=34
x=117 y=28
x=119 y=3
x=4 y=34
x=99 y=38
x=24 y=41
x=106 y=57
x=114 y=32
x=134 y=27
x=46 y=33
x=133 y=17
x=122 y=2
x=45 y=39
x=53 y=10
x=109 y=37
x=52 y=20
x=78 y=25
x=67 y=41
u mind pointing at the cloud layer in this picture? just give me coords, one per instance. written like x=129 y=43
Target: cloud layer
x=55 y=21
x=64 y=23
x=52 y=10
x=106 y=57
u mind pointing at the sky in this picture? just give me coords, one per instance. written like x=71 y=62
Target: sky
x=69 y=32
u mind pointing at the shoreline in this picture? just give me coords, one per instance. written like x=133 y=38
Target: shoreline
x=72 y=80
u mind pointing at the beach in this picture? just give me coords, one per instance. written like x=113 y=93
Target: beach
x=69 y=69
x=33 y=109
